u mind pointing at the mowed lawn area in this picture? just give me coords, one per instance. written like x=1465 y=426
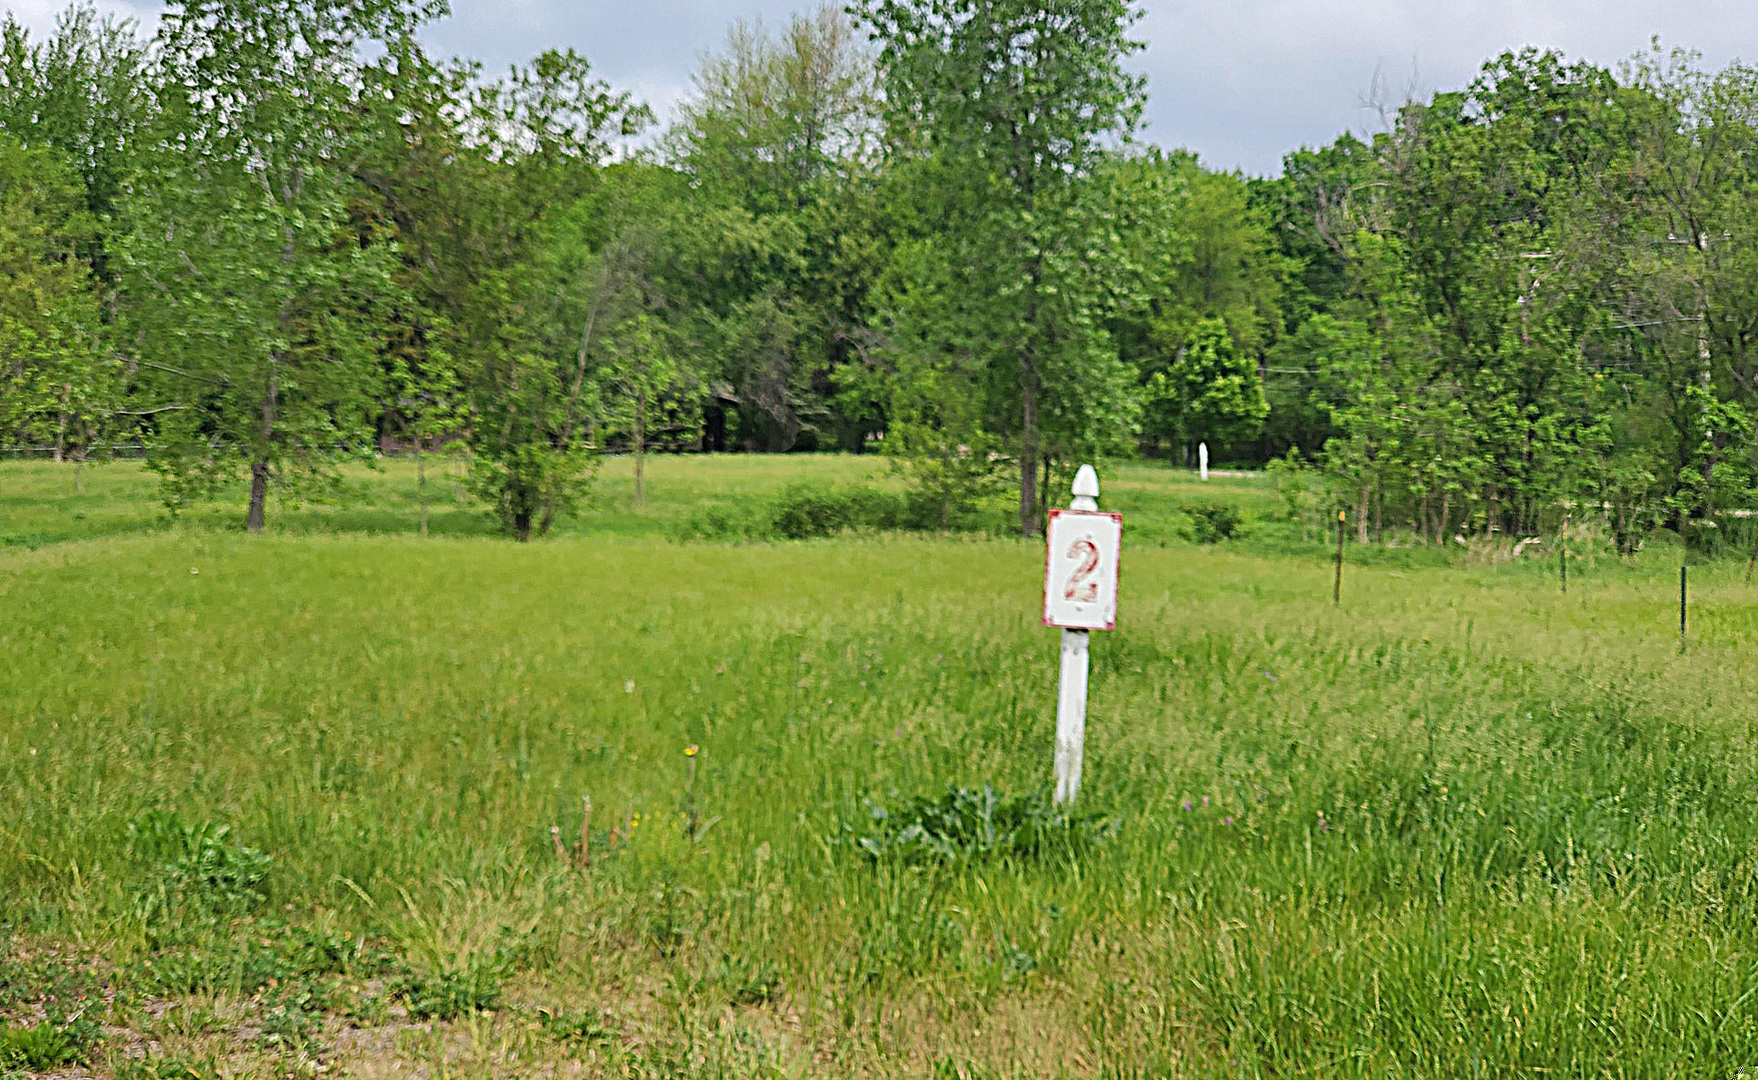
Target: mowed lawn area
x=312 y=802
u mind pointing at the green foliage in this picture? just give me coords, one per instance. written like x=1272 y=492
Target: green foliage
x=1213 y=522
x=1209 y=392
x=529 y=485
x=280 y=233
x=57 y=385
x=803 y=511
x=531 y=432
x=448 y=992
x=995 y=301
x=198 y=863
x=586 y=1027
x=782 y=233
x=82 y=94
x=963 y=825
x=715 y=521
x=1199 y=253
x=1305 y=493
x=254 y=310
x=47 y=1046
x=167 y=1067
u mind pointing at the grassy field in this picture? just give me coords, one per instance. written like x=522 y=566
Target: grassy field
x=311 y=802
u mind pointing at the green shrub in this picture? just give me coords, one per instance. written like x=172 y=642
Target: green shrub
x=1213 y=522
x=530 y=485
x=718 y=522
x=872 y=508
x=1306 y=496
x=803 y=511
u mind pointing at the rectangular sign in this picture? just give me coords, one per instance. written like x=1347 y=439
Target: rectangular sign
x=1082 y=548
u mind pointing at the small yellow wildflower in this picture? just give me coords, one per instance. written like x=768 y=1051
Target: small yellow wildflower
x=690 y=750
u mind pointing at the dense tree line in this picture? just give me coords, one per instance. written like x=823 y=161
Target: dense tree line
x=279 y=234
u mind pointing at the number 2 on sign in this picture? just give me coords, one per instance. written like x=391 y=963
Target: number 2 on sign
x=1083 y=586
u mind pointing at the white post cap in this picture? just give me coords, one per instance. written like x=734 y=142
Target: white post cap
x=1086 y=482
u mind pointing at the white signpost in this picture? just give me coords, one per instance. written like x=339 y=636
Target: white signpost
x=1202 y=460
x=1082 y=547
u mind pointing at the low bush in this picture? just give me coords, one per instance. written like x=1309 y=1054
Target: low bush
x=716 y=521
x=803 y=511
x=810 y=511
x=1213 y=522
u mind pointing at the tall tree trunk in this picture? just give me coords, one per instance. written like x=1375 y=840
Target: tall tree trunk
x=259 y=492
x=1361 y=517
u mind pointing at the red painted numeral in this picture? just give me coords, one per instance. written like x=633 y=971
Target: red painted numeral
x=1083 y=587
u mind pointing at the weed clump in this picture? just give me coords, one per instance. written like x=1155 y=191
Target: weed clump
x=964 y=825
x=587 y=1028
x=48 y=1045
x=173 y=1067
x=200 y=864
x=450 y=992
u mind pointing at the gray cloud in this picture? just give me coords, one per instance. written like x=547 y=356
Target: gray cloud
x=1239 y=82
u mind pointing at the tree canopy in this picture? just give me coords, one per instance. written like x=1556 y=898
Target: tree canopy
x=278 y=234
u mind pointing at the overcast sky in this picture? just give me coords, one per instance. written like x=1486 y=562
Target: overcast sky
x=1239 y=82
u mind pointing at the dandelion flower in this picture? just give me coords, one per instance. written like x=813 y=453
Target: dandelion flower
x=690 y=750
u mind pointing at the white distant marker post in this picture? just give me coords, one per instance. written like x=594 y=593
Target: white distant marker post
x=1081 y=549
x=1202 y=460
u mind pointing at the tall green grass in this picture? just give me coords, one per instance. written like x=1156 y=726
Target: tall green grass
x=1461 y=826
